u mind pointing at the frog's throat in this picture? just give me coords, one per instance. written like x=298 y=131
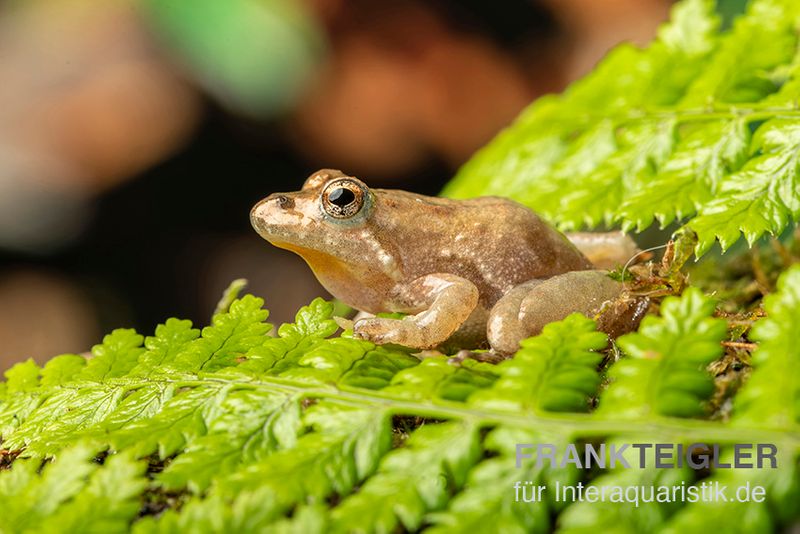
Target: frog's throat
x=339 y=279
x=328 y=269
x=320 y=262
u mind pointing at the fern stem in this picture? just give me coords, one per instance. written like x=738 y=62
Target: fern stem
x=572 y=424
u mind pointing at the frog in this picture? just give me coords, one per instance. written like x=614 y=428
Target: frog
x=479 y=273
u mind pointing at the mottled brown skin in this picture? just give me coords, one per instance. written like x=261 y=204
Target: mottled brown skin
x=466 y=270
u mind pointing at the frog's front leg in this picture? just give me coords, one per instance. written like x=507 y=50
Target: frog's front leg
x=442 y=302
x=526 y=309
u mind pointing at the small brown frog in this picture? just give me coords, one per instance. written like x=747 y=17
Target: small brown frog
x=466 y=271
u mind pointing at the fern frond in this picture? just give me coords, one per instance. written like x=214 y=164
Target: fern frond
x=771 y=397
x=555 y=371
x=490 y=502
x=780 y=488
x=72 y=495
x=664 y=133
x=23 y=376
x=296 y=431
x=115 y=357
x=436 y=377
x=665 y=372
x=162 y=349
x=411 y=481
x=612 y=515
x=230 y=335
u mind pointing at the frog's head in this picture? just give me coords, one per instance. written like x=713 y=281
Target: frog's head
x=329 y=222
x=329 y=208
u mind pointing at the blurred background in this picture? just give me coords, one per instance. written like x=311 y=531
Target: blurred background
x=135 y=135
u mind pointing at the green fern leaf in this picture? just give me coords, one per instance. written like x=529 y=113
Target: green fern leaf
x=344 y=448
x=616 y=515
x=764 y=197
x=60 y=415
x=230 y=336
x=771 y=398
x=377 y=368
x=491 y=503
x=665 y=372
x=436 y=377
x=170 y=340
x=691 y=176
x=411 y=481
x=23 y=376
x=312 y=323
x=664 y=133
x=295 y=433
x=115 y=357
x=71 y=495
x=179 y=420
x=239 y=431
x=62 y=369
x=108 y=502
x=554 y=371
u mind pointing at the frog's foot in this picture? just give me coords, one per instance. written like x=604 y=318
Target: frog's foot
x=526 y=309
x=446 y=302
x=607 y=250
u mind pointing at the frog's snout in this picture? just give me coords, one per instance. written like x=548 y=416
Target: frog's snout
x=273 y=212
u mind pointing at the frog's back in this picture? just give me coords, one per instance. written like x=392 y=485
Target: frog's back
x=494 y=242
x=520 y=247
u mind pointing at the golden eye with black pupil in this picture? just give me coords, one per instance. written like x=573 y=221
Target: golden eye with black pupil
x=342 y=198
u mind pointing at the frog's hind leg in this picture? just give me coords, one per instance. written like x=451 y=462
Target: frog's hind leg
x=607 y=250
x=526 y=309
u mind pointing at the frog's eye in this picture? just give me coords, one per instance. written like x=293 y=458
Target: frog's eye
x=342 y=198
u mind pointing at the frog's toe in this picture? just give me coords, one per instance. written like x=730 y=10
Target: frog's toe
x=376 y=330
x=405 y=332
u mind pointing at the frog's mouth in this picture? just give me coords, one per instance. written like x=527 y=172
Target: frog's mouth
x=300 y=251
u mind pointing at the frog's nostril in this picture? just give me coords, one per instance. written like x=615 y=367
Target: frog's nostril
x=284 y=202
